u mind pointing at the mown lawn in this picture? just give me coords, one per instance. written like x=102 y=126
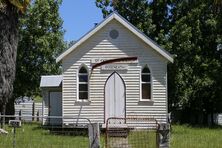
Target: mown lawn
x=184 y=136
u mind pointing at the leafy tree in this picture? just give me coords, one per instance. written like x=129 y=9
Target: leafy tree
x=10 y=10
x=41 y=39
x=195 y=34
x=151 y=17
x=136 y=12
x=193 y=31
x=70 y=43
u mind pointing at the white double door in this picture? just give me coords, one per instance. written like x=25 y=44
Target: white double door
x=115 y=97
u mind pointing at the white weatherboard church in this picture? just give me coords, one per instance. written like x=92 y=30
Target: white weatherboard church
x=112 y=71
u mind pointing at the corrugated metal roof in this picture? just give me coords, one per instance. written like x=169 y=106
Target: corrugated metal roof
x=51 y=81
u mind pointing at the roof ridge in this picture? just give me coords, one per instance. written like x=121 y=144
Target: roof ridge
x=125 y=23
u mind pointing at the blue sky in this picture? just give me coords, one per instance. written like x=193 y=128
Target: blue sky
x=79 y=17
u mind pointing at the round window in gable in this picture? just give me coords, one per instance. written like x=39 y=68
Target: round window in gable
x=114 y=34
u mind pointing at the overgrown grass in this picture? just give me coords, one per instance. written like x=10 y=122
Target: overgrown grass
x=184 y=136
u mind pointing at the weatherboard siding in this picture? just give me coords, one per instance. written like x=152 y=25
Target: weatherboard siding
x=45 y=104
x=101 y=46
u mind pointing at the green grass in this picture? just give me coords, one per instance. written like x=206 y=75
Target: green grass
x=135 y=139
x=142 y=139
x=32 y=136
x=184 y=136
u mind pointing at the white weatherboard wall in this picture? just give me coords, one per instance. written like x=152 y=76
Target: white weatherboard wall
x=219 y=119
x=100 y=45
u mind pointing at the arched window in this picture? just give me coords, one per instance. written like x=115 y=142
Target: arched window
x=83 y=83
x=146 y=83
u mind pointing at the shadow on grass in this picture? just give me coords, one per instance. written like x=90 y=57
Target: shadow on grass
x=203 y=126
x=215 y=126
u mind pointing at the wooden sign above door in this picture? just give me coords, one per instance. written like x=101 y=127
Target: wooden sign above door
x=114 y=67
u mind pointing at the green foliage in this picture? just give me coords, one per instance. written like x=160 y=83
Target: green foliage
x=137 y=12
x=195 y=34
x=193 y=31
x=41 y=40
x=37 y=99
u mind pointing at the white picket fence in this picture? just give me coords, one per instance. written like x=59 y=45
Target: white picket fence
x=28 y=109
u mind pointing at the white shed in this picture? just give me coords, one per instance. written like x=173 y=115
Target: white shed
x=114 y=71
x=52 y=98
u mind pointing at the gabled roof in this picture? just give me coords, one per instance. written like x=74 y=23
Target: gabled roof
x=51 y=81
x=125 y=23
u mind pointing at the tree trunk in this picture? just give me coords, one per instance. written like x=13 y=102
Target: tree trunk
x=10 y=107
x=212 y=118
x=8 y=50
x=205 y=118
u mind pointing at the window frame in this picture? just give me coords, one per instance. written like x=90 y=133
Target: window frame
x=77 y=84
x=151 y=84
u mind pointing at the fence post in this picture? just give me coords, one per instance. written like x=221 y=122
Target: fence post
x=164 y=135
x=1 y=120
x=33 y=111
x=20 y=114
x=94 y=135
x=37 y=115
